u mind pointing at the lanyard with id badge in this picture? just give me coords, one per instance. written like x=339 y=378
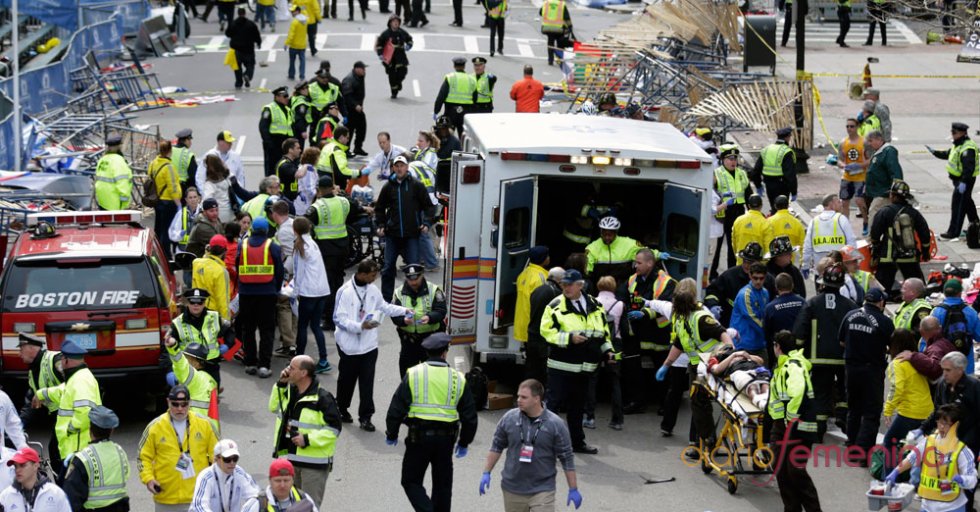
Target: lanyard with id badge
x=527 y=442
x=185 y=464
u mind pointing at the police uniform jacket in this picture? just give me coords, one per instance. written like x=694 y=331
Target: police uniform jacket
x=402 y=400
x=865 y=334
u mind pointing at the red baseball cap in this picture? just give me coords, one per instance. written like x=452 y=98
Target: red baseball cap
x=218 y=241
x=25 y=454
x=279 y=467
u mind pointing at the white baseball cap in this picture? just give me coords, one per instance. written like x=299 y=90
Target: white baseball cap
x=226 y=448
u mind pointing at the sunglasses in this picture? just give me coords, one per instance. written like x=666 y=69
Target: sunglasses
x=852 y=126
x=229 y=460
x=179 y=404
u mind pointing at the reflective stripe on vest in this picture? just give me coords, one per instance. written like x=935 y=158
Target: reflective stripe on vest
x=184 y=219
x=735 y=184
x=312 y=425
x=498 y=11
x=107 y=468
x=294 y=186
x=826 y=243
x=461 y=87
x=320 y=97
x=256 y=274
x=553 y=19
x=181 y=158
x=296 y=101
x=483 y=92
x=903 y=317
x=772 y=159
x=686 y=332
x=436 y=391
x=954 y=166
x=421 y=306
x=255 y=207
x=331 y=212
x=207 y=336
x=933 y=477
x=282 y=120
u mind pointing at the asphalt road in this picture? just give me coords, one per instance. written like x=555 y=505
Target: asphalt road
x=366 y=475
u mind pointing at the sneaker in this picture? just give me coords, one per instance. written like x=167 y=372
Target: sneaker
x=588 y=423
x=346 y=417
x=283 y=351
x=367 y=426
x=250 y=370
x=692 y=452
x=360 y=152
x=264 y=373
x=947 y=236
x=615 y=426
x=324 y=367
x=666 y=433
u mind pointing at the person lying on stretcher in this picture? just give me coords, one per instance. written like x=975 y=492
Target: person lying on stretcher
x=745 y=371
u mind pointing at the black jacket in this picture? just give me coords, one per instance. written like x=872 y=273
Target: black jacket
x=799 y=285
x=437 y=310
x=865 y=334
x=352 y=91
x=825 y=342
x=244 y=36
x=325 y=404
x=398 y=412
x=966 y=393
x=885 y=219
x=540 y=298
x=400 y=40
x=403 y=208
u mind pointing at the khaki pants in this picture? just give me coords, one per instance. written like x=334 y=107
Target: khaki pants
x=876 y=204
x=286 y=322
x=312 y=481
x=540 y=502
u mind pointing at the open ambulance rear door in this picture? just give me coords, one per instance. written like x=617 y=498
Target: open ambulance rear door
x=464 y=222
x=512 y=236
x=682 y=220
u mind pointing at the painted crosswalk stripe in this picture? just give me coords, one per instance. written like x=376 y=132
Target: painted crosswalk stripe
x=321 y=41
x=470 y=44
x=416 y=89
x=262 y=85
x=272 y=56
x=418 y=42
x=269 y=41
x=367 y=42
x=525 y=50
x=214 y=43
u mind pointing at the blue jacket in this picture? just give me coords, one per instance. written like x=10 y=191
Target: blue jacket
x=781 y=314
x=972 y=323
x=750 y=307
x=275 y=253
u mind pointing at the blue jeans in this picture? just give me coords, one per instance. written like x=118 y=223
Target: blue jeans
x=293 y=55
x=427 y=252
x=310 y=312
x=408 y=249
x=896 y=433
x=265 y=15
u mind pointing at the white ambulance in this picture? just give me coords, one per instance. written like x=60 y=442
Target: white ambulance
x=519 y=179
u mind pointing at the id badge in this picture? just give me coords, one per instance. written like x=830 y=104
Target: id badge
x=185 y=466
x=527 y=451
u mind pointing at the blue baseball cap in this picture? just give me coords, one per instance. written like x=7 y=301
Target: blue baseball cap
x=71 y=349
x=260 y=225
x=571 y=276
x=103 y=417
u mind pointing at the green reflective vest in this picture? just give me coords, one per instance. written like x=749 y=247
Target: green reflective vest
x=772 y=159
x=113 y=182
x=207 y=336
x=461 y=88
x=297 y=497
x=499 y=11
x=906 y=313
x=255 y=207
x=322 y=95
x=282 y=120
x=310 y=424
x=420 y=306
x=863 y=279
x=72 y=426
x=553 y=17
x=436 y=390
x=686 y=332
x=560 y=322
x=622 y=250
x=200 y=385
x=731 y=182
x=181 y=158
x=47 y=388
x=296 y=101
x=954 y=166
x=483 y=92
x=331 y=214
x=108 y=469
x=184 y=220
x=870 y=124
x=336 y=156
x=788 y=389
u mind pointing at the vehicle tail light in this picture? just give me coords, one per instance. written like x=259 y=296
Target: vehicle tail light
x=471 y=174
x=631 y=171
x=566 y=168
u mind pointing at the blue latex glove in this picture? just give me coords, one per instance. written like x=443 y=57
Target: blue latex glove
x=574 y=497
x=715 y=312
x=222 y=349
x=664 y=255
x=484 y=482
x=391 y=442
x=435 y=116
x=958 y=479
x=461 y=451
x=366 y=171
x=761 y=190
x=961 y=188
x=892 y=477
x=171 y=379
x=792 y=197
x=662 y=373
x=806 y=273
x=915 y=475
x=728 y=194
x=729 y=202
x=635 y=315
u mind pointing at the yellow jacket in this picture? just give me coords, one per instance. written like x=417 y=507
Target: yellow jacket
x=751 y=226
x=530 y=278
x=909 y=395
x=783 y=223
x=165 y=175
x=159 y=451
x=296 y=38
x=210 y=273
x=311 y=8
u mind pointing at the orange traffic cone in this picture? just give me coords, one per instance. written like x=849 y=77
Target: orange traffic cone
x=213 y=406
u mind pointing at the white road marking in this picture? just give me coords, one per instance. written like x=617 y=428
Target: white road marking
x=262 y=85
x=214 y=42
x=470 y=44
x=904 y=29
x=240 y=143
x=367 y=42
x=524 y=50
x=272 y=56
x=416 y=89
x=321 y=41
x=269 y=41
x=418 y=42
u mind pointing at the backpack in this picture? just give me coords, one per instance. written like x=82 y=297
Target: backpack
x=150 y=195
x=903 y=232
x=955 y=327
x=973 y=235
x=477 y=381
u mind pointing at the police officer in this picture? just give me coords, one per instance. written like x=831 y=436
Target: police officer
x=780 y=258
x=302 y=110
x=435 y=403
x=575 y=327
x=865 y=333
x=774 y=173
x=287 y=169
x=817 y=332
x=275 y=126
x=80 y=394
x=720 y=294
x=428 y=305
x=963 y=167
x=324 y=90
x=183 y=158
x=458 y=93
x=327 y=124
x=751 y=226
x=113 y=177
x=913 y=307
x=899 y=250
x=555 y=20
x=484 y=86
x=188 y=370
x=613 y=252
x=260 y=275
x=97 y=475
x=732 y=186
x=198 y=324
x=44 y=373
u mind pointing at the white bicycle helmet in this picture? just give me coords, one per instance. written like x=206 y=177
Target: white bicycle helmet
x=588 y=108
x=610 y=223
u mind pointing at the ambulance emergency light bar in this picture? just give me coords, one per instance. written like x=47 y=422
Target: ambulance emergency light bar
x=81 y=218
x=601 y=160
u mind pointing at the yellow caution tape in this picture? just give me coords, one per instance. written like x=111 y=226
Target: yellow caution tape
x=877 y=76
x=823 y=127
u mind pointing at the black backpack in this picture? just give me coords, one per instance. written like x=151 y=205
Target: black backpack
x=956 y=329
x=477 y=381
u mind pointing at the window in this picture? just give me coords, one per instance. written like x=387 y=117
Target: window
x=99 y=284
x=682 y=237
x=517 y=228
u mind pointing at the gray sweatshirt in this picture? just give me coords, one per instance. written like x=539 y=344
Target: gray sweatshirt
x=548 y=434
